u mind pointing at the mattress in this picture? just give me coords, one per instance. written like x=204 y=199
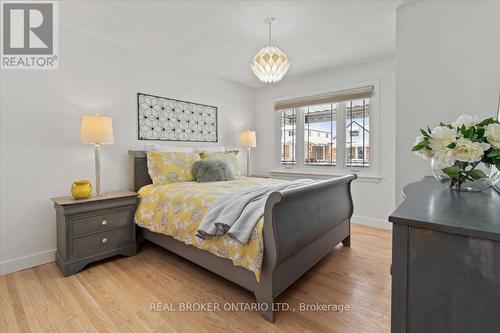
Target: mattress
x=177 y=209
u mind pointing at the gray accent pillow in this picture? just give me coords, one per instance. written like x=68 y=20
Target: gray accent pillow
x=211 y=170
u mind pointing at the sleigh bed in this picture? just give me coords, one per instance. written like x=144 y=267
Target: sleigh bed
x=300 y=227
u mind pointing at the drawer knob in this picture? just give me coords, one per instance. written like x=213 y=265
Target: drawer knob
x=104 y=222
x=104 y=240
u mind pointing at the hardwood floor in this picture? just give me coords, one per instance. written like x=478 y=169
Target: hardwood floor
x=116 y=295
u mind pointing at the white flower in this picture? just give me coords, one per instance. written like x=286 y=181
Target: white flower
x=445 y=158
x=469 y=151
x=425 y=152
x=492 y=133
x=466 y=120
x=441 y=138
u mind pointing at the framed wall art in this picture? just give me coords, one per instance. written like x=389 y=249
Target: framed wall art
x=167 y=119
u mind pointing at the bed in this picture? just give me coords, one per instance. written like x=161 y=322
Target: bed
x=300 y=226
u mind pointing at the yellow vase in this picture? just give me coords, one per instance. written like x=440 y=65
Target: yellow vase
x=81 y=189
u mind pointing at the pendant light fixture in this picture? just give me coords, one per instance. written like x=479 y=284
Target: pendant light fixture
x=270 y=64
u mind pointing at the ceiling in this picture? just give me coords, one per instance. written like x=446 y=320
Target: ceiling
x=221 y=37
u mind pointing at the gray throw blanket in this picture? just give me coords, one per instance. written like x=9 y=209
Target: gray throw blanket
x=236 y=214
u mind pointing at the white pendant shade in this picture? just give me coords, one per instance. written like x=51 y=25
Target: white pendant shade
x=270 y=64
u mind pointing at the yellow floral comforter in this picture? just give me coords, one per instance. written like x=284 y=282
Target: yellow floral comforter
x=176 y=209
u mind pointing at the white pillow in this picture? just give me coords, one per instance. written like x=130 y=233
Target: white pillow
x=209 y=149
x=168 y=148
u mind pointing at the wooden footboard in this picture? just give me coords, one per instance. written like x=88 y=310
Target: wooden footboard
x=301 y=226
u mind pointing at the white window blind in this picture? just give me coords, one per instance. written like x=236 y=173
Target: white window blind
x=339 y=96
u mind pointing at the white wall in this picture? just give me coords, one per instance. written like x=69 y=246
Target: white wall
x=448 y=63
x=41 y=154
x=372 y=201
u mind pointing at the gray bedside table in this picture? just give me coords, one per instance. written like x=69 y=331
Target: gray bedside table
x=93 y=229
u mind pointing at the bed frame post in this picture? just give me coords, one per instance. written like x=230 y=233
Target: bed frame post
x=347 y=241
x=264 y=296
x=139 y=176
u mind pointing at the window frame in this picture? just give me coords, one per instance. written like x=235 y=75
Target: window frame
x=300 y=168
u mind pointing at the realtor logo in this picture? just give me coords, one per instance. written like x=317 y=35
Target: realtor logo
x=29 y=35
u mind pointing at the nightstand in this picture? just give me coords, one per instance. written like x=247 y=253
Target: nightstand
x=93 y=229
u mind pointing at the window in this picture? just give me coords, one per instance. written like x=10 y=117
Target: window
x=320 y=149
x=340 y=123
x=288 y=123
x=357 y=132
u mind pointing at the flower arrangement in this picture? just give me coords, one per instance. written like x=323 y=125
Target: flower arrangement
x=460 y=147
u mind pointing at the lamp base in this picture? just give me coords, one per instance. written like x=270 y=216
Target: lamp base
x=248 y=162
x=97 y=155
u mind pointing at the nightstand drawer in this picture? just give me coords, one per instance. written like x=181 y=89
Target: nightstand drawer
x=96 y=243
x=105 y=220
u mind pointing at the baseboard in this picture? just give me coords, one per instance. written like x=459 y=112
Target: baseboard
x=372 y=222
x=29 y=261
x=37 y=259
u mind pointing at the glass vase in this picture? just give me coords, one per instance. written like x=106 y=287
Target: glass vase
x=476 y=185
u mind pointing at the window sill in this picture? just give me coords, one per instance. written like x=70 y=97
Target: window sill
x=292 y=173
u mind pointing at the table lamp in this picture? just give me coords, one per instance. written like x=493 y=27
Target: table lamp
x=96 y=130
x=248 y=140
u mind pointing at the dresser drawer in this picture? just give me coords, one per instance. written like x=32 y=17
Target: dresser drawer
x=104 y=220
x=103 y=241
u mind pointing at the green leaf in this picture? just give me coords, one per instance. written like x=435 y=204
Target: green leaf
x=487 y=122
x=422 y=144
x=463 y=130
x=445 y=125
x=477 y=174
x=493 y=153
x=451 y=145
x=452 y=171
x=480 y=132
x=418 y=146
x=468 y=133
x=424 y=133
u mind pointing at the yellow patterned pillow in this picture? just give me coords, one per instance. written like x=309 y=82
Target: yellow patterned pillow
x=228 y=157
x=170 y=167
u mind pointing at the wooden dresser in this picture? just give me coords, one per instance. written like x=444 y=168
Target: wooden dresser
x=93 y=229
x=445 y=260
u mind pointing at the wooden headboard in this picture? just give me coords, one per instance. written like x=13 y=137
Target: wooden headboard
x=139 y=175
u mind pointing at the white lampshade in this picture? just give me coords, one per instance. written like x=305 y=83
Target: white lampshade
x=247 y=139
x=270 y=64
x=96 y=129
